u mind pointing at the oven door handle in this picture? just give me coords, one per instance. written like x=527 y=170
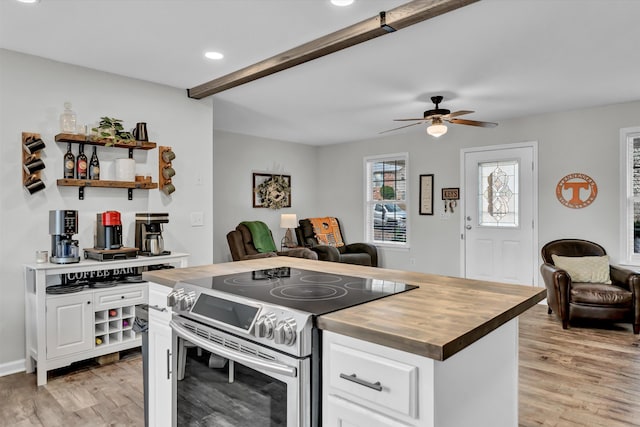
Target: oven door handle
x=242 y=358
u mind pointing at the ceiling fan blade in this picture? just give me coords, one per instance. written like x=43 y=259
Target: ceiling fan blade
x=459 y=113
x=473 y=123
x=409 y=120
x=401 y=127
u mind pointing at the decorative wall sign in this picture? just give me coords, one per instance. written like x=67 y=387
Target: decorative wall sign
x=576 y=190
x=451 y=194
x=426 y=194
x=271 y=191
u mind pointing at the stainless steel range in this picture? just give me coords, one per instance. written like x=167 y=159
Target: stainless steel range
x=248 y=348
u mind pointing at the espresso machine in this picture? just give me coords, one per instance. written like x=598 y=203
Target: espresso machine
x=108 y=230
x=63 y=224
x=149 y=233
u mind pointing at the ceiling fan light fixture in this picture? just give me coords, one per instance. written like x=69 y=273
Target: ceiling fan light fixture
x=341 y=3
x=437 y=129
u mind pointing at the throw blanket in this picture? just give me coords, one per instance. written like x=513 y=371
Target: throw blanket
x=327 y=231
x=261 y=236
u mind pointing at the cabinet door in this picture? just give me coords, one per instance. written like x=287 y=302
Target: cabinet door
x=342 y=413
x=160 y=374
x=69 y=324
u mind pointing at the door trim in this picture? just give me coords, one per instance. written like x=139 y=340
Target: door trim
x=534 y=214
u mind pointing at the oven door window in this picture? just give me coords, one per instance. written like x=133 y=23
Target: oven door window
x=219 y=392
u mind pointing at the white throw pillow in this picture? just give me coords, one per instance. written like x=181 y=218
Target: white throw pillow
x=589 y=269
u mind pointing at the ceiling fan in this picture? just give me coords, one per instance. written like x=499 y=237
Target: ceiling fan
x=439 y=115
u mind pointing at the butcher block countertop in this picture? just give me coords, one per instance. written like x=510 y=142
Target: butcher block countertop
x=443 y=316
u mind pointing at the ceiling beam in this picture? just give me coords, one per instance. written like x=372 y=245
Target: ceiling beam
x=393 y=20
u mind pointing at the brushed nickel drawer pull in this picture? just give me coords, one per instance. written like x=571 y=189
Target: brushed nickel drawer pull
x=353 y=378
x=158 y=308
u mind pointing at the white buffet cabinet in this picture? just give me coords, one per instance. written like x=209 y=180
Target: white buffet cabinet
x=369 y=385
x=62 y=329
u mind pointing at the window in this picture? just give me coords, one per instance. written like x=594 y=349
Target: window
x=630 y=191
x=498 y=191
x=386 y=206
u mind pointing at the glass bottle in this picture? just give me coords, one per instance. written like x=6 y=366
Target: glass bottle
x=69 y=163
x=94 y=165
x=81 y=164
x=68 y=119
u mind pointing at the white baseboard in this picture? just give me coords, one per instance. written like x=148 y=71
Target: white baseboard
x=12 y=367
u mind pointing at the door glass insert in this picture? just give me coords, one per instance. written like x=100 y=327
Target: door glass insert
x=498 y=194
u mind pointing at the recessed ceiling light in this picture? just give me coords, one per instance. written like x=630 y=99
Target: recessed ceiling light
x=214 y=55
x=341 y=2
x=29 y=1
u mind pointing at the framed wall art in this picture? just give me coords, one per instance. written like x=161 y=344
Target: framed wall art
x=271 y=191
x=426 y=194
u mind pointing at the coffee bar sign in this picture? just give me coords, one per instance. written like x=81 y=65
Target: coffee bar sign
x=576 y=190
x=101 y=275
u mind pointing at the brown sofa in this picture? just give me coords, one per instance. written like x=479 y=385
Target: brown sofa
x=242 y=248
x=354 y=253
x=615 y=302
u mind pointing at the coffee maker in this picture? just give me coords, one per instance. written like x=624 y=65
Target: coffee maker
x=149 y=233
x=63 y=224
x=108 y=230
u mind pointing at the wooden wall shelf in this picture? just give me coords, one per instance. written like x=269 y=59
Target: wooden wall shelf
x=129 y=185
x=103 y=142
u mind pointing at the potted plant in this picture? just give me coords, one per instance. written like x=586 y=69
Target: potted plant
x=111 y=128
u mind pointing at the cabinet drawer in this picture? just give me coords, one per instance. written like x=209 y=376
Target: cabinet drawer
x=380 y=382
x=340 y=412
x=120 y=296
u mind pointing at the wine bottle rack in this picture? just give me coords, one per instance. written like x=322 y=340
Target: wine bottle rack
x=114 y=326
x=31 y=181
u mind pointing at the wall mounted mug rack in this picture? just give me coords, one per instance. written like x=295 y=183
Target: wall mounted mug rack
x=166 y=170
x=32 y=164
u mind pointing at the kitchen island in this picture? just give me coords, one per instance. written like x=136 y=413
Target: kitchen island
x=447 y=351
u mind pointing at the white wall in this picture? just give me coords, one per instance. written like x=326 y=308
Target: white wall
x=236 y=158
x=32 y=93
x=585 y=141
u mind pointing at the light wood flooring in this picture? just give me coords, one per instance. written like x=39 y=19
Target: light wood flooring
x=576 y=377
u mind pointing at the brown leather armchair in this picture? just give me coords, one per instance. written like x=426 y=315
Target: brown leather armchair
x=618 y=301
x=354 y=253
x=242 y=248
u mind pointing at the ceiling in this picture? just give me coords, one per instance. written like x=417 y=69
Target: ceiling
x=501 y=58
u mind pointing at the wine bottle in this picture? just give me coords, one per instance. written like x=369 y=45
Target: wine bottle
x=69 y=163
x=81 y=164
x=94 y=166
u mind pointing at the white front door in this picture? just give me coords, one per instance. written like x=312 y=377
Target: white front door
x=500 y=190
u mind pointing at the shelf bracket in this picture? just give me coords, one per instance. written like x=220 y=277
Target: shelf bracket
x=80 y=193
x=131 y=153
x=130 y=193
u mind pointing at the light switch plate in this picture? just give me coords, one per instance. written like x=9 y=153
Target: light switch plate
x=197 y=219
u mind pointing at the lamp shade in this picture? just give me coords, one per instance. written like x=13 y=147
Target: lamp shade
x=437 y=130
x=288 y=221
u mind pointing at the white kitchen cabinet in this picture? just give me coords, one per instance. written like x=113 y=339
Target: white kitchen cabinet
x=70 y=324
x=369 y=385
x=160 y=357
x=62 y=329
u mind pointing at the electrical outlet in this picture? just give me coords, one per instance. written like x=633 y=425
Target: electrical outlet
x=197 y=219
x=412 y=261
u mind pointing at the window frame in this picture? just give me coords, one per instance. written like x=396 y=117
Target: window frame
x=627 y=199
x=369 y=202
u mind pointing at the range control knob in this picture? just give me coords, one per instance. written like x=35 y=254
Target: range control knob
x=265 y=325
x=174 y=296
x=185 y=302
x=285 y=332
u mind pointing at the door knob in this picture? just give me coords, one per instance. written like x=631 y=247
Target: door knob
x=468 y=218
x=468 y=227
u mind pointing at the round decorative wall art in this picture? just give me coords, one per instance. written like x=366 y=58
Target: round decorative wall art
x=576 y=190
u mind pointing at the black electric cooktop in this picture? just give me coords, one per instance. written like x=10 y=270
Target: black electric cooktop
x=305 y=290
